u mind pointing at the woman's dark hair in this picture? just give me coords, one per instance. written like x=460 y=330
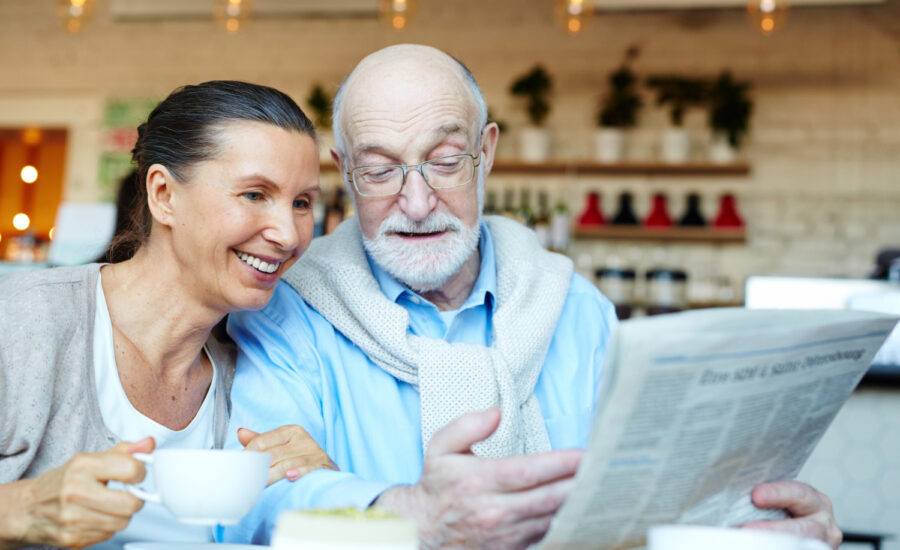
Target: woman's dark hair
x=183 y=130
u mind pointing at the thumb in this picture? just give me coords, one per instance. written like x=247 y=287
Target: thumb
x=145 y=445
x=246 y=435
x=459 y=435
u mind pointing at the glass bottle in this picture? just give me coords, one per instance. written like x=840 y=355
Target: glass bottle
x=490 y=203
x=560 y=226
x=525 y=215
x=542 y=220
x=509 y=209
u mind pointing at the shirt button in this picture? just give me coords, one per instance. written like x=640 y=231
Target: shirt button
x=415 y=300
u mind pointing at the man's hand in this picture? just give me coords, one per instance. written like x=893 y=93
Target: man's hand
x=71 y=506
x=294 y=452
x=463 y=501
x=810 y=510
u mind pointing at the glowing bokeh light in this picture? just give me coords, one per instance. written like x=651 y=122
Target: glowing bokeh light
x=21 y=221
x=29 y=174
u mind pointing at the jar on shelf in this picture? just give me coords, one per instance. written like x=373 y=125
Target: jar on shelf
x=666 y=291
x=617 y=284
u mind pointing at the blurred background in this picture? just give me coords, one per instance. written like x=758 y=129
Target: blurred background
x=684 y=153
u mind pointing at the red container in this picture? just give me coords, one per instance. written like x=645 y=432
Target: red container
x=659 y=213
x=592 y=214
x=728 y=216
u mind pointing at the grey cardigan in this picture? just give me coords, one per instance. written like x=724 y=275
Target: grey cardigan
x=48 y=399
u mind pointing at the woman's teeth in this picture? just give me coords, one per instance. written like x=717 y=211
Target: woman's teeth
x=256 y=263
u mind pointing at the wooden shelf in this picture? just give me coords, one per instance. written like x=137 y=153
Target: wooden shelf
x=639 y=233
x=585 y=168
x=622 y=169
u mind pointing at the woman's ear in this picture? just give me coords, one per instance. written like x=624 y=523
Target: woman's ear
x=160 y=194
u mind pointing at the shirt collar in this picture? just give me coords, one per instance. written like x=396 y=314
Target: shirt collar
x=484 y=291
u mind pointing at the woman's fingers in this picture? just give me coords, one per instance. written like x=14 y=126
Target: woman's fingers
x=294 y=452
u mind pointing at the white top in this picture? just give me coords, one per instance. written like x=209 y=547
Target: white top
x=153 y=522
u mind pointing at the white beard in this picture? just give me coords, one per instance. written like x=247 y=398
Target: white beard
x=425 y=266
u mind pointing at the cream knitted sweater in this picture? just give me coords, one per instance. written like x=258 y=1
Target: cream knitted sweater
x=334 y=277
x=48 y=399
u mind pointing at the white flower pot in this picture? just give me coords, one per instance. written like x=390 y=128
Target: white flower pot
x=720 y=150
x=675 y=145
x=609 y=145
x=534 y=144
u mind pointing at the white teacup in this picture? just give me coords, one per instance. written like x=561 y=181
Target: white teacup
x=205 y=487
x=702 y=537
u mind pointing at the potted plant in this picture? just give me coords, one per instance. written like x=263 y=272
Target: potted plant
x=679 y=93
x=320 y=103
x=534 y=88
x=730 y=108
x=618 y=111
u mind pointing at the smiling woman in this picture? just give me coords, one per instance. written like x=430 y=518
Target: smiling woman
x=123 y=358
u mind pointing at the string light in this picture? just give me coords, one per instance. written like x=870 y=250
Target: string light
x=29 y=174
x=74 y=14
x=572 y=15
x=21 y=221
x=397 y=13
x=232 y=14
x=767 y=16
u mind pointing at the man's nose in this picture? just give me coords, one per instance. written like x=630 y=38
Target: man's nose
x=417 y=199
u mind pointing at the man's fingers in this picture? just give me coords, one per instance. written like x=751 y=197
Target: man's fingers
x=797 y=498
x=289 y=436
x=246 y=436
x=516 y=473
x=538 y=501
x=459 y=435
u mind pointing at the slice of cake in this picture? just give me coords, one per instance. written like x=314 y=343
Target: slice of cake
x=346 y=529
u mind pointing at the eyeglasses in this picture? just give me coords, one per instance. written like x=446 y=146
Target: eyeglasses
x=385 y=180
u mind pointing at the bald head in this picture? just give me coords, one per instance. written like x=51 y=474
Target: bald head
x=403 y=78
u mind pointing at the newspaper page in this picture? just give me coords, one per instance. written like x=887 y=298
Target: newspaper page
x=697 y=408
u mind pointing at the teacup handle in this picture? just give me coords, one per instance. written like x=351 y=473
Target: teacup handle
x=144 y=495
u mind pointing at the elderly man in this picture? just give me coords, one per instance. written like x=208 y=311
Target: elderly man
x=393 y=330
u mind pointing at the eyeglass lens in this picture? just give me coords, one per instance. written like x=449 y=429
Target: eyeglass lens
x=441 y=173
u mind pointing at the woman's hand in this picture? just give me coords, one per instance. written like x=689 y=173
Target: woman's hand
x=294 y=452
x=71 y=506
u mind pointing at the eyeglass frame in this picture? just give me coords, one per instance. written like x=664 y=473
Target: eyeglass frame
x=406 y=168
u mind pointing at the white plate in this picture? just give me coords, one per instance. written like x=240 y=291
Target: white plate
x=188 y=546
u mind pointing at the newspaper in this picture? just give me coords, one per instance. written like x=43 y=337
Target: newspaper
x=697 y=408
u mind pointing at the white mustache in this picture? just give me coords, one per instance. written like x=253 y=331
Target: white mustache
x=434 y=223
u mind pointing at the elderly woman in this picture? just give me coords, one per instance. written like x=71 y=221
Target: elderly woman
x=101 y=361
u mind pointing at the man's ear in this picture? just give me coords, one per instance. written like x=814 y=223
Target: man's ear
x=160 y=197
x=338 y=159
x=489 y=137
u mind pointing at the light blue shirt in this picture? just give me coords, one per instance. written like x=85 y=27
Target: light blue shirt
x=293 y=367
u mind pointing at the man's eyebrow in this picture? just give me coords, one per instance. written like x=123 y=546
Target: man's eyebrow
x=441 y=131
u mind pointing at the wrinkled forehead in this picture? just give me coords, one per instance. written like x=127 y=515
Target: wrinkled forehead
x=406 y=103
